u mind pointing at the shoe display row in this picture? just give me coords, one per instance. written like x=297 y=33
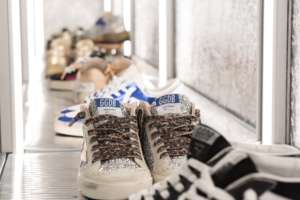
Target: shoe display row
x=142 y=142
x=68 y=52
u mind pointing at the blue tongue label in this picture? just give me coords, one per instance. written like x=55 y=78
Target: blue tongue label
x=108 y=106
x=168 y=104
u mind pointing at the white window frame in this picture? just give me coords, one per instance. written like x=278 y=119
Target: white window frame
x=275 y=97
x=11 y=103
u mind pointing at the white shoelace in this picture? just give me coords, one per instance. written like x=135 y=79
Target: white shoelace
x=213 y=192
x=175 y=181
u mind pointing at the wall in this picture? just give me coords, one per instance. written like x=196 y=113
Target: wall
x=71 y=14
x=217 y=52
x=145 y=30
x=295 y=74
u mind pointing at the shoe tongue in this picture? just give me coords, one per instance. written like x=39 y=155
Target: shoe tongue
x=101 y=106
x=206 y=143
x=171 y=104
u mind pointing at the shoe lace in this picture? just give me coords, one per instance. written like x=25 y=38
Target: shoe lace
x=172 y=187
x=113 y=137
x=173 y=133
x=200 y=189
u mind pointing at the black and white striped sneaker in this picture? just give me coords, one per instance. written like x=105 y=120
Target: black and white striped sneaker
x=207 y=148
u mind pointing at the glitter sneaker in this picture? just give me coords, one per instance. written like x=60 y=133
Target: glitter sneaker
x=112 y=164
x=165 y=128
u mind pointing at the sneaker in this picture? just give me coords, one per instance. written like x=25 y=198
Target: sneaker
x=120 y=88
x=83 y=48
x=247 y=175
x=165 y=130
x=90 y=77
x=67 y=82
x=207 y=147
x=57 y=57
x=108 y=29
x=112 y=163
x=95 y=74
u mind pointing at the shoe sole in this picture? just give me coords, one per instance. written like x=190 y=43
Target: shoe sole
x=63 y=128
x=61 y=85
x=114 y=191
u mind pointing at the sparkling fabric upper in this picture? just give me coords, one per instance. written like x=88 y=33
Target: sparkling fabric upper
x=172 y=135
x=114 y=139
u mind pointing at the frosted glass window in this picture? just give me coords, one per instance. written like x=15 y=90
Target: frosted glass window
x=295 y=74
x=145 y=30
x=217 y=52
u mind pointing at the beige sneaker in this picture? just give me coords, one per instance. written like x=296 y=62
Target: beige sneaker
x=96 y=73
x=112 y=163
x=83 y=48
x=165 y=128
x=90 y=78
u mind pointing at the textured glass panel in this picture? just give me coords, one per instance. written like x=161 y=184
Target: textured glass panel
x=217 y=51
x=71 y=14
x=146 y=30
x=295 y=70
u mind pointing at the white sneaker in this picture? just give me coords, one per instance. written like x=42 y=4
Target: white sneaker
x=207 y=148
x=112 y=163
x=127 y=88
x=249 y=176
x=166 y=125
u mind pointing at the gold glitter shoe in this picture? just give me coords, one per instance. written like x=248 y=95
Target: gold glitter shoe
x=57 y=56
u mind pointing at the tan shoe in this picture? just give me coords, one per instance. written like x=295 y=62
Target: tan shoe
x=119 y=37
x=57 y=56
x=84 y=48
x=90 y=78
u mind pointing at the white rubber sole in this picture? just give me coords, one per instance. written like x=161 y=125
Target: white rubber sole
x=115 y=191
x=61 y=85
x=63 y=128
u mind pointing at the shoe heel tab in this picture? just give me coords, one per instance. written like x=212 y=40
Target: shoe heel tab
x=96 y=63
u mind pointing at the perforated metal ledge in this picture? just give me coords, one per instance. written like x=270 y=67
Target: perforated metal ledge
x=41 y=176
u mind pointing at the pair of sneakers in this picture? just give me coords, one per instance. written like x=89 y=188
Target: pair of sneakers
x=127 y=146
x=218 y=169
x=129 y=87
